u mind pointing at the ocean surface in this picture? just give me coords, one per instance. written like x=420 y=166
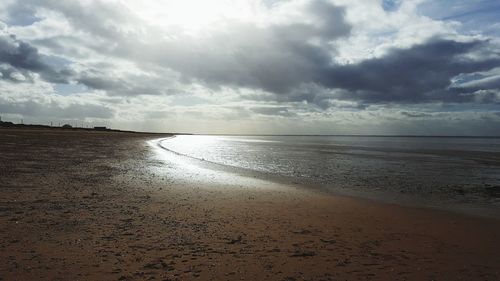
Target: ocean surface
x=449 y=172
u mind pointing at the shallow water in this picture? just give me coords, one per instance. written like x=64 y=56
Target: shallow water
x=430 y=170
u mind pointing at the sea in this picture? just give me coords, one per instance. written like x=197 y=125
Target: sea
x=454 y=173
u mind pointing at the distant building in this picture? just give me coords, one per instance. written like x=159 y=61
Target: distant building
x=100 y=128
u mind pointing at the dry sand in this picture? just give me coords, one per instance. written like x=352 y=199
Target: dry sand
x=106 y=206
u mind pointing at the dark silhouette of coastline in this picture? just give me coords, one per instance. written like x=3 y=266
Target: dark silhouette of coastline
x=68 y=127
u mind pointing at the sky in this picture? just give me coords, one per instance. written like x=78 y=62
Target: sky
x=416 y=67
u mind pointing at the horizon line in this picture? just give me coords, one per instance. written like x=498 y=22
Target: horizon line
x=348 y=135
x=20 y=125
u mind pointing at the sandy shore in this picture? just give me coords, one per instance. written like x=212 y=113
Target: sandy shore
x=109 y=206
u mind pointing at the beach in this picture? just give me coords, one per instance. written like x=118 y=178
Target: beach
x=79 y=205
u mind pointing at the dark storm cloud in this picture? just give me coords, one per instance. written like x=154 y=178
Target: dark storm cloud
x=24 y=58
x=74 y=110
x=419 y=74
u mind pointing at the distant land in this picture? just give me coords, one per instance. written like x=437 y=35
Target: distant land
x=63 y=127
x=68 y=127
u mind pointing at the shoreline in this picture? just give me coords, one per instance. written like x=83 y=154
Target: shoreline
x=378 y=196
x=106 y=207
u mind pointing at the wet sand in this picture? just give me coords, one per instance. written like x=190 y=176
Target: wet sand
x=108 y=206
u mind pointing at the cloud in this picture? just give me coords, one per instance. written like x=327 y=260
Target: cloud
x=275 y=58
x=55 y=110
x=285 y=58
x=303 y=60
x=480 y=82
x=22 y=59
x=415 y=114
x=418 y=74
x=273 y=111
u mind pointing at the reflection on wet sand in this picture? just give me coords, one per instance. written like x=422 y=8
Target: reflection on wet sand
x=459 y=174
